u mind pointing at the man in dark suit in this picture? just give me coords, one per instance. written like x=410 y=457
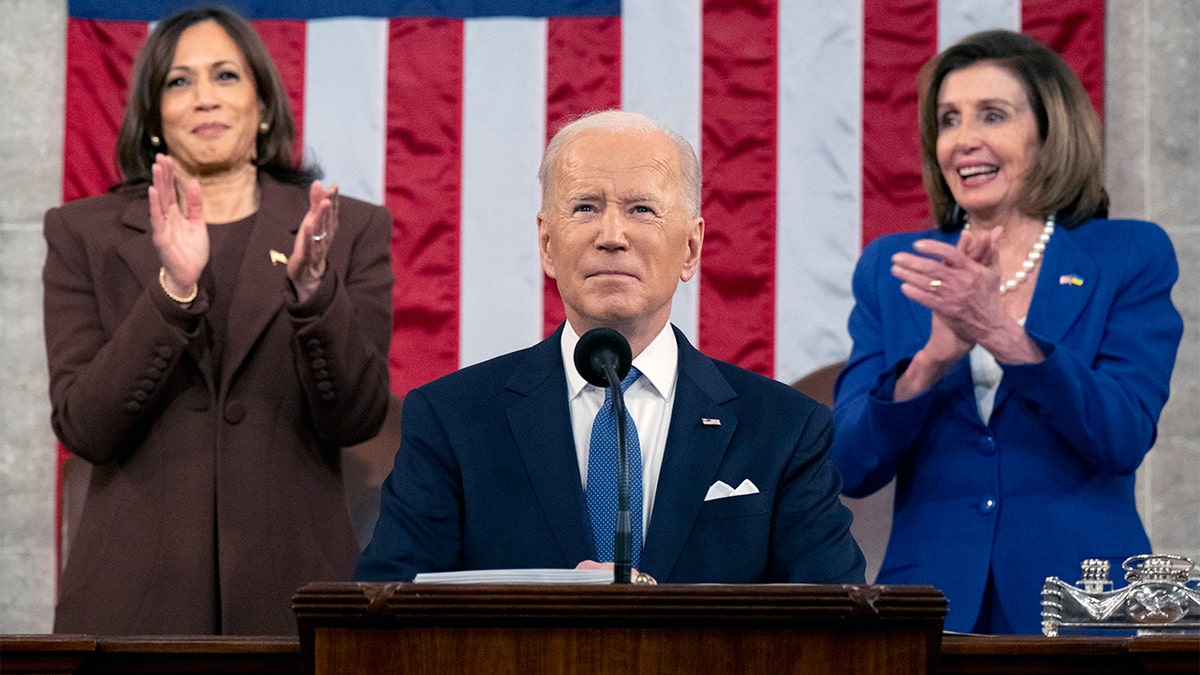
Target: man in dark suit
x=731 y=468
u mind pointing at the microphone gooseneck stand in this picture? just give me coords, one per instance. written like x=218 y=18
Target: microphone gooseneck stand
x=603 y=357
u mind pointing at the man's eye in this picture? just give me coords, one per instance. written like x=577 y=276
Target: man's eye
x=584 y=208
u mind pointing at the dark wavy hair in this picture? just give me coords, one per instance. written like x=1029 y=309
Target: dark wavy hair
x=143 y=112
x=1067 y=176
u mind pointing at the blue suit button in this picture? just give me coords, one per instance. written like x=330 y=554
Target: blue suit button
x=988 y=505
x=987 y=446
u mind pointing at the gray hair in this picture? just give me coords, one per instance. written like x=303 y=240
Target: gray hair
x=620 y=120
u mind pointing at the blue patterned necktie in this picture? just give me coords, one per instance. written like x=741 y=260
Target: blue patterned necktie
x=602 y=477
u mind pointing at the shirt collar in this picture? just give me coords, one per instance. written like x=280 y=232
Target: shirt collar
x=658 y=362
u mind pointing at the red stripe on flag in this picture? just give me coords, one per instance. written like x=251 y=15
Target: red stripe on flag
x=1075 y=29
x=581 y=76
x=286 y=40
x=100 y=57
x=423 y=179
x=738 y=151
x=899 y=37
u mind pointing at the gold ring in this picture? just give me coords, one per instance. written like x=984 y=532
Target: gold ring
x=643 y=578
x=934 y=285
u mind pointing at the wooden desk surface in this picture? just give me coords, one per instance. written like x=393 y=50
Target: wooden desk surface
x=1032 y=654
x=960 y=655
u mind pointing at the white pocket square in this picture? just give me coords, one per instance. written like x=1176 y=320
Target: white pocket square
x=721 y=490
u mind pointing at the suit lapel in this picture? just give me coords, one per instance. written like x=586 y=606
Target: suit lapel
x=1065 y=285
x=540 y=421
x=693 y=452
x=139 y=252
x=259 y=293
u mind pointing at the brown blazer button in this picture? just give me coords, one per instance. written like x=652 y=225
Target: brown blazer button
x=235 y=412
x=133 y=406
x=165 y=352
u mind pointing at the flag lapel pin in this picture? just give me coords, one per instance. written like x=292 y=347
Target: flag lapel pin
x=1070 y=280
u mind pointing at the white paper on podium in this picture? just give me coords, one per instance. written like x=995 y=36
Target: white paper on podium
x=518 y=576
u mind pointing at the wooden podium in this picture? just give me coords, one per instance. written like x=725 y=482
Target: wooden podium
x=551 y=628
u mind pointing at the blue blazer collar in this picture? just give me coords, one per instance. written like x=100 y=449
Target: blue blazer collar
x=1066 y=283
x=693 y=453
x=540 y=423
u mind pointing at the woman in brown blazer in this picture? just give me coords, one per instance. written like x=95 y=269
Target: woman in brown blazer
x=217 y=328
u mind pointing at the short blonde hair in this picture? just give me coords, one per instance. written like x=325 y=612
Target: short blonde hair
x=1067 y=176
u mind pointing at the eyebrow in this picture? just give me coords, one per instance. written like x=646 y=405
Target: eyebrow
x=217 y=64
x=983 y=103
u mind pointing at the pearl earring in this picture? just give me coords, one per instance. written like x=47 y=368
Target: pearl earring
x=155 y=140
x=263 y=127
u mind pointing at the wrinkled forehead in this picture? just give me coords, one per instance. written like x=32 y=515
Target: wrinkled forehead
x=625 y=160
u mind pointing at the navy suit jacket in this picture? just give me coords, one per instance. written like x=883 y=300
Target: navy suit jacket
x=486 y=477
x=1049 y=480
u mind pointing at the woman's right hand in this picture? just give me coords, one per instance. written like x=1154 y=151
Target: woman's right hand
x=954 y=270
x=181 y=240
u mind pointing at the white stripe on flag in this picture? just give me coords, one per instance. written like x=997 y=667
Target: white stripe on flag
x=959 y=18
x=345 y=91
x=819 y=202
x=504 y=131
x=660 y=77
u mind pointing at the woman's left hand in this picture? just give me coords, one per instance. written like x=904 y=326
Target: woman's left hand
x=960 y=285
x=307 y=265
x=957 y=283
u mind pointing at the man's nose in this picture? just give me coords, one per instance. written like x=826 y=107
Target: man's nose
x=612 y=229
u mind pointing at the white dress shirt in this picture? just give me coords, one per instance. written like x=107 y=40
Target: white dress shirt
x=649 y=401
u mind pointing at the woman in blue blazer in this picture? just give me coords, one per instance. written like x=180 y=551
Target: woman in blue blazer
x=1009 y=368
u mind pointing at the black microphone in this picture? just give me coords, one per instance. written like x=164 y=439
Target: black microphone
x=603 y=358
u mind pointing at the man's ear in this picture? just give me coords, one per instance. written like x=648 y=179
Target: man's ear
x=695 y=242
x=544 y=246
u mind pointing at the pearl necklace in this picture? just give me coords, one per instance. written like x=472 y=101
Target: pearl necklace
x=1031 y=260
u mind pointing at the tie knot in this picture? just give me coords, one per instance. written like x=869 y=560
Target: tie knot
x=633 y=375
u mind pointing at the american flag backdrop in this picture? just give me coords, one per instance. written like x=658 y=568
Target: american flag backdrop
x=803 y=113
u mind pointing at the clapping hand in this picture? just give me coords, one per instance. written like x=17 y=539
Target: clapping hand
x=181 y=240
x=307 y=263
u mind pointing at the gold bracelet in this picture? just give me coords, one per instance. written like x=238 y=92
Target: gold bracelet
x=162 y=281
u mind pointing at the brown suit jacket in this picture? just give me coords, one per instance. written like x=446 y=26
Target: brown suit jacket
x=210 y=505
